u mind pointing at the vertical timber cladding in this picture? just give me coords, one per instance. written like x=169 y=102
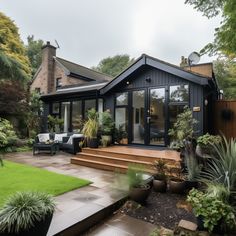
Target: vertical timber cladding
x=197 y=101
x=225 y=118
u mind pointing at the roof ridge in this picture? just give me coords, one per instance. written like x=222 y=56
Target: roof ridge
x=85 y=67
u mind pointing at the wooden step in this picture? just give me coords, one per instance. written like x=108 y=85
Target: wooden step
x=99 y=165
x=112 y=160
x=129 y=156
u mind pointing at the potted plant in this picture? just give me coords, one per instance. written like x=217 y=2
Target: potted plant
x=205 y=144
x=193 y=168
x=160 y=178
x=139 y=190
x=107 y=126
x=176 y=182
x=26 y=214
x=90 y=128
x=213 y=214
x=121 y=135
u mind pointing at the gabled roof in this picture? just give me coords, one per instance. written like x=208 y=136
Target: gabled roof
x=156 y=63
x=81 y=72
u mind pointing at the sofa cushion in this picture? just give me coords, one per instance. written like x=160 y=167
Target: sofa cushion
x=70 y=140
x=59 y=137
x=43 y=137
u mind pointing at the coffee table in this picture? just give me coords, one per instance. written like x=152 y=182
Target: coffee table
x=52 y=147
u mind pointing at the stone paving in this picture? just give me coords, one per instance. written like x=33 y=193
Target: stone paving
x=81 y=203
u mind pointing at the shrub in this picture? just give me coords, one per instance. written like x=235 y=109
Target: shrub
x=213 y=211
x=208 y=139
x=107 y=123
x=22 y=210
x=135 y=175
x=221 y=168
x=54 y=123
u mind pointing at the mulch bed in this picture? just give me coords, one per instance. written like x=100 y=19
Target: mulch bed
x=162 y=209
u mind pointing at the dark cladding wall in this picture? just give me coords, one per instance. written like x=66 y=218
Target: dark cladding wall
x=149 y=77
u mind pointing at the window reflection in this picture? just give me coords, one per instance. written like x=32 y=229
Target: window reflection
x=122 y=99
x=179 y=93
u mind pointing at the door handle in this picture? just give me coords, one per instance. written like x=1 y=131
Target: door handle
x=148 y=119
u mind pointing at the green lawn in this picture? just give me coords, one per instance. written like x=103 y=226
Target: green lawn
x=18 y=177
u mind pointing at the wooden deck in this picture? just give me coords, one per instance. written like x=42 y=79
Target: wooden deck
x=117 y=158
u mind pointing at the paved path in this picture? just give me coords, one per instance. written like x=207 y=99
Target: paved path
x=83 y=202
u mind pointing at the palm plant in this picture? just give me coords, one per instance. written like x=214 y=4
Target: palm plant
x=23 y=210
x=221 y=168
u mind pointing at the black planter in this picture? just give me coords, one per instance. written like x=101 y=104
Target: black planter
x=139 y=194
x=159 y=185
x=191 y=184
x=40 y=228
x=177 y=186
x=93 y=143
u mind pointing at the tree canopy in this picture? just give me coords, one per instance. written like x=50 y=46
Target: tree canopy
x=34 y=52
x=14 y=63
x=114 y=65
x=225 y=72
x=225 y=37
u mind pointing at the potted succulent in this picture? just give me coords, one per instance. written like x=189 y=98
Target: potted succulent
x=139 y=190
x=213 y=214
x=90 y=129
x=26 y=214
x=107 y=126
x=160 y=178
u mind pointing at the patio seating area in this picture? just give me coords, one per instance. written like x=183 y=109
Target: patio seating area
x=53 y=142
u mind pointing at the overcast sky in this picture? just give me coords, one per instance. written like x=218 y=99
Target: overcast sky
x=89 y=30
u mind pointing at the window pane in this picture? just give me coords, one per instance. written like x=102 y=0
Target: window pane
x=65 y=115
x=179 y=93
x=138 y=116
x=122 y=99
x=55 y=108
x=174 y=110
x=121 y=118
x=89 y=104
x=77 y=115
x=157 y=116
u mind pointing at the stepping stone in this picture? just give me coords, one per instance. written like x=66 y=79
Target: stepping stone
x=187 y=225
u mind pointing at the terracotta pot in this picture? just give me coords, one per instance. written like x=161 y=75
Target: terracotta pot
x=177 y=186
x=139 y=194
x=40 y=228
x=159 y=185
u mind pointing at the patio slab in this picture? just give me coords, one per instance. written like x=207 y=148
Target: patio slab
x=81 y=208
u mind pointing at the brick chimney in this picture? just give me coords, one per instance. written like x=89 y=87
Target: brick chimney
x=184 y=61
x=48 y=52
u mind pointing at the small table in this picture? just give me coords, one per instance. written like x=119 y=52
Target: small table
x=52 y=147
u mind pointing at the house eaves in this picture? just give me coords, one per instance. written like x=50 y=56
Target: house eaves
x=158 y=64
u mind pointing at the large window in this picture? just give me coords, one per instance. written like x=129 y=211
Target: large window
x=65 y=115
x=89 y=104
x=77 y=116
x=179 y=97
x=122 y=99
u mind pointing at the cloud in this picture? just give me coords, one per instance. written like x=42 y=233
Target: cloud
x=90 y=30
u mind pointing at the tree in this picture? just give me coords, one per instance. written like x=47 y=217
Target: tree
x=225 y=72
x=14 y=63
x=225 y=37
x=34 y=52
x=114 y=65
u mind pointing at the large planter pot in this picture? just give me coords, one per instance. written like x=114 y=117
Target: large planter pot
x=93 y=142
x=139 y=194
x=159 y=185
x=189 y=184
x=40 y=228
x=106 y=140
x=177 y=186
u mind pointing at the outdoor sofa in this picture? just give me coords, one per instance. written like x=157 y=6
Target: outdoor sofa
x=53 y=142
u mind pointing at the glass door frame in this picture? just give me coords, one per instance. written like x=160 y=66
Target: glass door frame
x=166 y=115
